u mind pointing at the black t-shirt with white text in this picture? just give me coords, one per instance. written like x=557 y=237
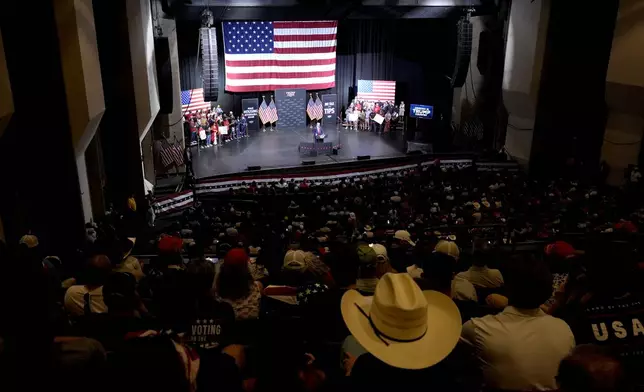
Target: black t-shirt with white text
x=616 y=323
x=211 y=325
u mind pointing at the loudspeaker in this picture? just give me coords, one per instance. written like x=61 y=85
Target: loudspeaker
x=363 y=157
x=308 y=163
x=209 y=64
x=253 y=168
x=463 y=52
x=164 y=74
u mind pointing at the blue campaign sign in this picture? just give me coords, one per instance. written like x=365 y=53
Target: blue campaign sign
x=421 y=111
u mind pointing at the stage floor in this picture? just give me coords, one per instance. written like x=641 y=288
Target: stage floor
x=279 y=148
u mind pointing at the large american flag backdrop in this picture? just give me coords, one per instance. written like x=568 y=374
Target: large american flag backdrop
x=263 y=56
x=376 y=90
x=193 y=100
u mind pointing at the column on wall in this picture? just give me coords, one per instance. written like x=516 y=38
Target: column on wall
x=625 y=92
x=571 y=110
x=41 y=190
x=83 y=86
x=525 y=46
x=126 y=50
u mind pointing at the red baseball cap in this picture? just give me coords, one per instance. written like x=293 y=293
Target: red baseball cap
x=560 y=248
x=170 y=244
x=236 y=256
x=626 y=226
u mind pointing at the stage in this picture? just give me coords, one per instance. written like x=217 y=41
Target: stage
x=279 y=148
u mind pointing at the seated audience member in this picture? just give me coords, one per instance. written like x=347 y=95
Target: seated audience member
x=367 y=274
x=479 y=274
x=125 y=317
x=610 y=311
x=131 y=265
x=521 y=347
x=559 y=256
x=440 y=264
x=159 y=363
x=87 y=298
x=439 y=275
x=235 y=285
x=284 y=365
x=382 y=261
x=408 y=337
x=401 y=250
x=31 y=332
x=210 y=322
x=590 y=369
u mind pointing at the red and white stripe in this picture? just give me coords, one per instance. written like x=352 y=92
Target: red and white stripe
x=383 y=90
x=196 y=101
x=303 y=57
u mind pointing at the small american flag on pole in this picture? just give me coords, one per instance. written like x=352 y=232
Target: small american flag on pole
x=263 y=112
x=376 y=90
x=310 y=108
x=273 y=110
x=193 y=100
x=264 y=56
x=319 y=109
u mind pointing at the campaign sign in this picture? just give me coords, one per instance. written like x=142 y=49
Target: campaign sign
x=328 y=101
x=249 y=109
x=421 y=111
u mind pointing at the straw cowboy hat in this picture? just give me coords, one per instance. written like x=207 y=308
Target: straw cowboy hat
x=401 y=325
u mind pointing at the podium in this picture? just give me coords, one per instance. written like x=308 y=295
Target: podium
x=315 y=148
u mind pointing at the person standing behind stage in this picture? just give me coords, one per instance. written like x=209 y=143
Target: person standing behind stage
x=367 y=117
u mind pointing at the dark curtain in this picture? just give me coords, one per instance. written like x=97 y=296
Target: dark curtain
x=416 y=53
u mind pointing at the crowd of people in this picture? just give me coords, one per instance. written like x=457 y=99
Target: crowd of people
x=416 y=278
x=210 y=128
x=361 y=114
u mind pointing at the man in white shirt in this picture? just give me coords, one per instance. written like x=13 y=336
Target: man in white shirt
x=479 y=274
x=521 y=347
x=88 y=298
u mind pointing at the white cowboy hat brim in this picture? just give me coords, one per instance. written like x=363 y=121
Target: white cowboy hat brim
x=443 y=332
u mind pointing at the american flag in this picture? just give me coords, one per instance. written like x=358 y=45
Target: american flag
x=171 y=153
x=273 y=111
x=263 y=112
x=376 y=90
x=193 y=100
x=310 y=109
x=263 y=56
x=319 y=109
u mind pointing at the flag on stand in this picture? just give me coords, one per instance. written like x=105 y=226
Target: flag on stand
x=264 y=56
x=193 y=100
x=376 y=90
x=310 y=108
x=273 y=110
x=263 y=112
x=171 y=153
x=319 y=109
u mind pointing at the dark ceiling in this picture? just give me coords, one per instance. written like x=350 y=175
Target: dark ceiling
x=190 y=10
